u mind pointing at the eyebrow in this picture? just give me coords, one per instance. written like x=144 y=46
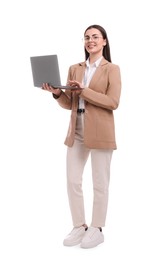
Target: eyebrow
x=91 y=35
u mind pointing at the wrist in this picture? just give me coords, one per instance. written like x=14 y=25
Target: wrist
x=57 y=95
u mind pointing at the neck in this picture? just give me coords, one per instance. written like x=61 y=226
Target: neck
x=93 y=58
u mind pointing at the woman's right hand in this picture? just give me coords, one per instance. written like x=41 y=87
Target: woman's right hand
x=49 y=88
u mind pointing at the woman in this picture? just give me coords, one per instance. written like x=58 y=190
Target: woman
x=91 y=131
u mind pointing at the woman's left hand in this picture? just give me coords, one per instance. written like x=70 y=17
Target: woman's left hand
x=77 y=84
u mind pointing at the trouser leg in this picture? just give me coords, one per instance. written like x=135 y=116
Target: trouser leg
x=77 y=156
x=101 y=161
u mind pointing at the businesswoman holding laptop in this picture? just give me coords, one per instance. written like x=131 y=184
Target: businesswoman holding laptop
x=91 y=132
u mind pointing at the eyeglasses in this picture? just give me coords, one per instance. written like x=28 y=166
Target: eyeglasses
x=93 y=38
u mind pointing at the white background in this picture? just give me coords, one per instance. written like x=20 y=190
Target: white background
x=34 y=212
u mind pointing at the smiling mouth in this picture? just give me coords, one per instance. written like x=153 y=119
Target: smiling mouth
x=91 y=45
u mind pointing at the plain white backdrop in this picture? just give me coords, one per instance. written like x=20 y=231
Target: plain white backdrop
x=34 y=212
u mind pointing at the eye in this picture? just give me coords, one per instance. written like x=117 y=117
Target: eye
x=95 y=37
x=86 y=38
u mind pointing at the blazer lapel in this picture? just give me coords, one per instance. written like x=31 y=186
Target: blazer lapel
x=97 y=74
x=80 y=72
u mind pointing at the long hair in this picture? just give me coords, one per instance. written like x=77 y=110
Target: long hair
x=106 y=49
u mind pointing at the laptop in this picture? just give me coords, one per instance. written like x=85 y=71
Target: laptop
x=45 y=69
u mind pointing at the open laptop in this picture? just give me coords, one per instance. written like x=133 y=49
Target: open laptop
x=45 y=69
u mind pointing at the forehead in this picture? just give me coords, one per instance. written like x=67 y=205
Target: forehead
x=92 y=31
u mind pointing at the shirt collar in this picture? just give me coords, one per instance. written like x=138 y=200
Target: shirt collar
x=96 y=63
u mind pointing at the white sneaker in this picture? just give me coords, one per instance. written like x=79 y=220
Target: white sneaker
x=92 y=238
x=75 y=236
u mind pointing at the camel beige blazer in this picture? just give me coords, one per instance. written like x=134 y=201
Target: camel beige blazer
x=101 y=99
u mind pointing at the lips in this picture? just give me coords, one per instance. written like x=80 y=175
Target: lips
x=91 y=46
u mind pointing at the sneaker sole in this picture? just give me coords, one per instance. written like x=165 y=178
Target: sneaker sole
x=93 y=244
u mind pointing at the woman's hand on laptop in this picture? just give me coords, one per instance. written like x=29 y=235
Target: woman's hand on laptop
x=77 y=84
x=49 y=88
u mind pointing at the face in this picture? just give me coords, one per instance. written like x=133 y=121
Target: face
x=94 y=42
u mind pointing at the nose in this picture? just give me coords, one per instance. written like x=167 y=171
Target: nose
x=90 y=39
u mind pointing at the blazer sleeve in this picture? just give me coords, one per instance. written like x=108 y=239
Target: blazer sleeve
x=109 y=99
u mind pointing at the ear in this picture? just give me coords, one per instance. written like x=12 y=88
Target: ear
x=104 y=44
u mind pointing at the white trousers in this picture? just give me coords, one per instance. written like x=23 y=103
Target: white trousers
x=77 y=156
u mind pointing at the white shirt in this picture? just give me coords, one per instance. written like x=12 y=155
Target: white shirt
x=89 y=72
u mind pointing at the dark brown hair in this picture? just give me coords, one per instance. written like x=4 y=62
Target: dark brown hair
x=106 y=49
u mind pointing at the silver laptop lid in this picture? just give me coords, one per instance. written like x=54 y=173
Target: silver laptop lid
x=45 y=69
